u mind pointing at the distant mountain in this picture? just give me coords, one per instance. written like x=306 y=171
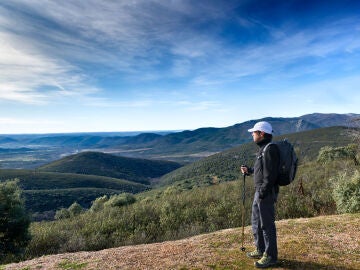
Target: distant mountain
x=90 y=141
x=67 y=140
x=15 y=150
x=96 y=163
x=225 y=165
x=218 y=139
x=6 y=140
x=333 y=119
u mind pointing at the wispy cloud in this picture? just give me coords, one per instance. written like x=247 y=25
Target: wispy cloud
x=130 y=37
x=29 y=76
x=31 y=71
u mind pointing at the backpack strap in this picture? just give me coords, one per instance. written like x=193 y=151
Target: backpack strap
x=266 y=146
x=263 y=152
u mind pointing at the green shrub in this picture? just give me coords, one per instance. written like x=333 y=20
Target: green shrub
x=14 y=222
x=74 y=210
x=346 y=193
x=62 y=214
x=98 y=204
x=120 y=200
x=46 y=239
x=328 y=154
x=292 y=205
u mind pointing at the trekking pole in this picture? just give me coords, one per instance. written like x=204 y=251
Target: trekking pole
x=243 y=215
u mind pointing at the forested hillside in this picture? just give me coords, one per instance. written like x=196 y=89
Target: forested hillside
x=225 y=166
x=82 y=178
x=205 y=141
x=96 y=163
x=48 y=192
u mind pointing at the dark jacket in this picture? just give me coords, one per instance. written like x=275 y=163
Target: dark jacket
x=266 y=169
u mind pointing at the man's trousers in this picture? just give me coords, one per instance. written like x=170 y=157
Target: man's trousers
x=263 y=224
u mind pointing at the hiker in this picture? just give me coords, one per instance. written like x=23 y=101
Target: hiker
x=266 y=190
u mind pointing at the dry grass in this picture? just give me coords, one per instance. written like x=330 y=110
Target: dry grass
x=327 y=242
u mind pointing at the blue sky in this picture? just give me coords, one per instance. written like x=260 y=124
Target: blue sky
x=137 y=65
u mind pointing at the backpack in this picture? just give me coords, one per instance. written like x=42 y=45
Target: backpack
x=287 y=162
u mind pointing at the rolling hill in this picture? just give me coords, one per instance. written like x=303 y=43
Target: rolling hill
x=96 y=163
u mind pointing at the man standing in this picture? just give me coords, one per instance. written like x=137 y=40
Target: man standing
x=266 y=190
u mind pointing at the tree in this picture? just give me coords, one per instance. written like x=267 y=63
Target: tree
x=14 y=221
x=328 y=153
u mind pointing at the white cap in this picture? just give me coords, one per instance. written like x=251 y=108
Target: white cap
x=262 y=126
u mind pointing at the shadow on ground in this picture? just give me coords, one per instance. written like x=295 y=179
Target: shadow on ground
x=292 y=264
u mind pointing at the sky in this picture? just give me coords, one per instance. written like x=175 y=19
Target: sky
x=145 y=65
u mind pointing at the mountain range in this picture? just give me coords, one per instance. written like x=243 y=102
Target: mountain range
x=181 y=146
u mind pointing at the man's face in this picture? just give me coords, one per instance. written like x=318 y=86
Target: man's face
x=257 y=136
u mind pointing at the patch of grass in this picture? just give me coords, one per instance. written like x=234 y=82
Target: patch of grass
x=216 y=244
x=320 y=242
x=69 y=265
x=232 y=258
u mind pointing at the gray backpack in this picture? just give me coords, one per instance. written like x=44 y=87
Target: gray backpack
x=288 y=162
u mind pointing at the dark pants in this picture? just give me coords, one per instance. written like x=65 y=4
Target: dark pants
x=263 y=224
